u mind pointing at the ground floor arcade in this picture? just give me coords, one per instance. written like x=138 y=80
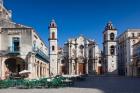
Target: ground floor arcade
x=37 y=67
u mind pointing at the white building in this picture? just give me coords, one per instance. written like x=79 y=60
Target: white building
x=136 y=59
x=109 y=49
x=125 y=50
x=21 y=49
x=82 y=56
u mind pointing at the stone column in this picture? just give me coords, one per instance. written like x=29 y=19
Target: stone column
x=47 y=72
x=70 y=67
x=86 y=66
x=39 y=69
x=31 y=60
x=77 y=68
x=73 y=70
x=43 y=70
x=2 y=70
x=0 y=67
x=36 y=70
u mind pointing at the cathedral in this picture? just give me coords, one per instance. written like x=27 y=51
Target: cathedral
x=82 y=56
x=22 y=49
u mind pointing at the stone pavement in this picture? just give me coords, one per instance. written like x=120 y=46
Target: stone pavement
x=93 y=84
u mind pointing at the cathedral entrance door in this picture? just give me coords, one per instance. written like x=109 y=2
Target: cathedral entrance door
x=82 y=68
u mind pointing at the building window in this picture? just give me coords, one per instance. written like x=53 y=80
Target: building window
x=53 y=35
x=112 y=36
x=16 y=44
x=34 y=43
x=35 y=36
x=112 y=50
x=53 y=48
x=133 y=35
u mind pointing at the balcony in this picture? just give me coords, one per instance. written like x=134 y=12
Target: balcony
x=15 y=50
x=40 y=54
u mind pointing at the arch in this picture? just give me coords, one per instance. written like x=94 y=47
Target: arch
x=14 y=65
x=81 y=46
x=112 y=36
x=53 y=48
x=112 y=50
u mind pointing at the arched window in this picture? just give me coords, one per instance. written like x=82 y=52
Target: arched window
x=53 y=35
x=112 y=36
x=112 y=50
x=53 y=48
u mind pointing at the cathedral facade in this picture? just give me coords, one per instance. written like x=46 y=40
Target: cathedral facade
x=82 y=56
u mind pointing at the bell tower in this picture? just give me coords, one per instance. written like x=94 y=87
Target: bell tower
x=109 y=49
x=53 y=48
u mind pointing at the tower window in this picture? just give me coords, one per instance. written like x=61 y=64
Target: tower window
x=53 y=35
x=112 y=50
x=112 y=36
x=53 y=48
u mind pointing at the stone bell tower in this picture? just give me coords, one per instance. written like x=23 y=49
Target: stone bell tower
x=53 y=48
x=109 y=44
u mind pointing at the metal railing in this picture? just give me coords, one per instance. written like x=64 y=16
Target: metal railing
x=41 y=53
x=13 y=49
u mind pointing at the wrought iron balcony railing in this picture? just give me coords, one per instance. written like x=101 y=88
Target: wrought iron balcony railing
x=41 y=54
x=14 y=49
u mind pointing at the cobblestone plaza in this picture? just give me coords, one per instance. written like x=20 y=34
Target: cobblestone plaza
x=92 y=84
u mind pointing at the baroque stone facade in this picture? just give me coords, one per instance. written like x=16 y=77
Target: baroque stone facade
x=82 y=56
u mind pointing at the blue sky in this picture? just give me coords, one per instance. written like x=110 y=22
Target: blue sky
x=75 y=17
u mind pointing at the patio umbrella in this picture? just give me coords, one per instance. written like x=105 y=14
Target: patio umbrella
x=24 y=72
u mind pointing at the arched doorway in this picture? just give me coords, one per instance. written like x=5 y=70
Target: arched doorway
x=15 y=65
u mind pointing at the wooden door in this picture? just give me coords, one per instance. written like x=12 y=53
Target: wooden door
x=82 y=68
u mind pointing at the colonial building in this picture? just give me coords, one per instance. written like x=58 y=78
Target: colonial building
x=136 y=59
x=82 y=56
x=20 y=49
x=125 y=50
x=109 y=49
x=53 y=49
